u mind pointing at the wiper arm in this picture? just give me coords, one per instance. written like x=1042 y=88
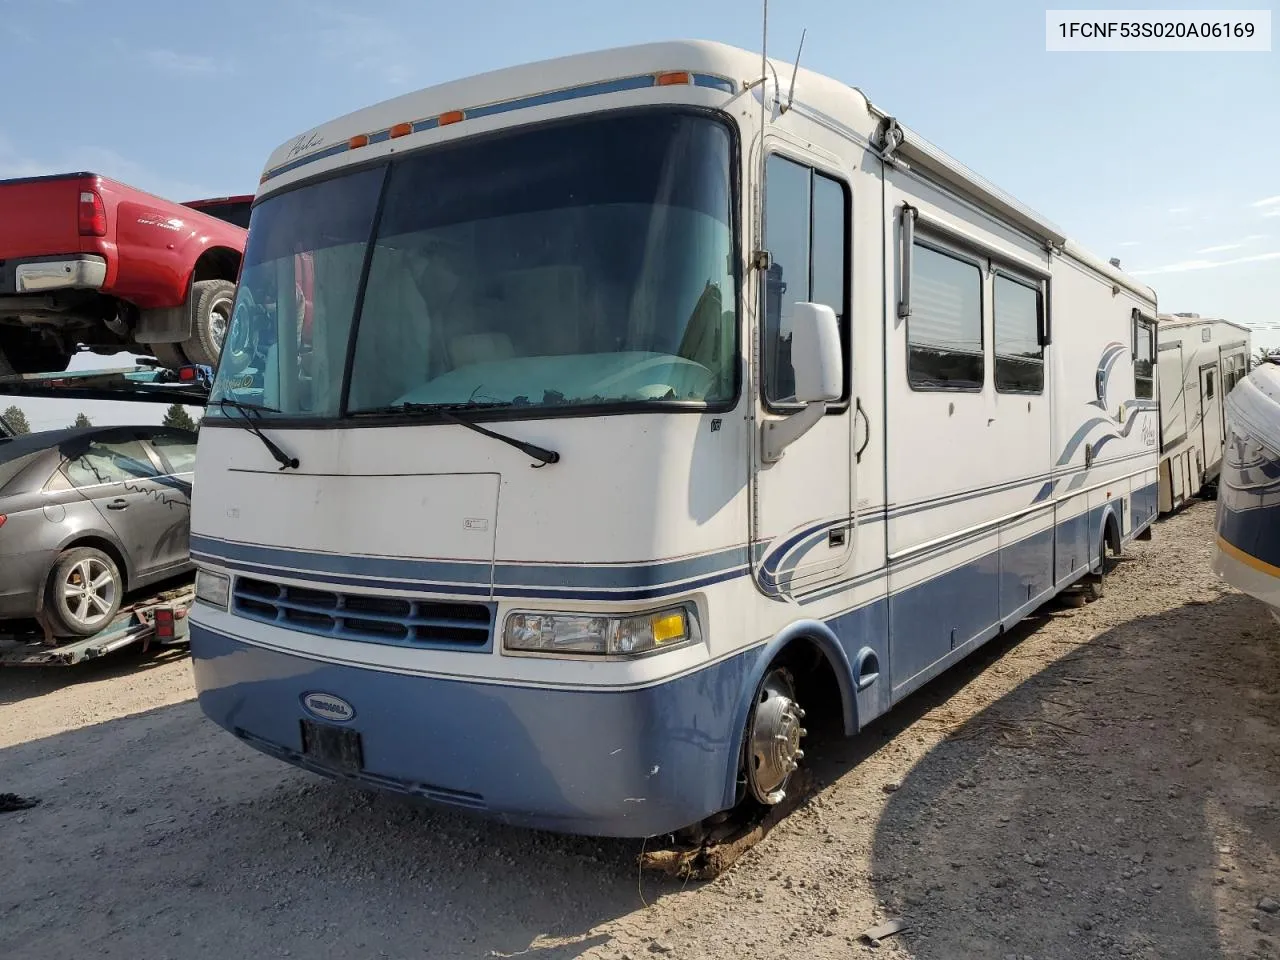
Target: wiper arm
x=449 y=411
x=532 y=449
x=286 y=462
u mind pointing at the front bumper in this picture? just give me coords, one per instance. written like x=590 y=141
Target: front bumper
x=81 y=272
x=620 y=763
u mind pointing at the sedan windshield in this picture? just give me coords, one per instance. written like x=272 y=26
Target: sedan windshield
x=571 y=265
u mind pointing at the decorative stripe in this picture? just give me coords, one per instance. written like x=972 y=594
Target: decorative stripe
x=594 y=89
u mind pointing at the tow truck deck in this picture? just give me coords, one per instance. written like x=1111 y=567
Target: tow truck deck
x=159 y=619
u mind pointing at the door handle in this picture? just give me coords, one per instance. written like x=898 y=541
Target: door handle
x=120 y=504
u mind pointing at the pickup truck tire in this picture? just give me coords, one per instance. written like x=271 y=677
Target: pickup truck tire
x=210 y=305
x=83 y=593
x=25 y=351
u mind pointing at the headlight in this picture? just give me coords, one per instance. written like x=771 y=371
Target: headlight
x=213 y=589
x=608 y=636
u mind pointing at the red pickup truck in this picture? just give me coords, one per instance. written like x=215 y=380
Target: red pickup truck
x=89 y=262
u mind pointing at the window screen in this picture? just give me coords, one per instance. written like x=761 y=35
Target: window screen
x=944 y=331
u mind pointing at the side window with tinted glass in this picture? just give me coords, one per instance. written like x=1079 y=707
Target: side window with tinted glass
x=178 y=452
x=807 y=236
x=1018 y=306
x=110 y=462
x=1143 y=359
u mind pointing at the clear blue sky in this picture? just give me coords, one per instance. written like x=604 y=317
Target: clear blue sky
x=1167 y=161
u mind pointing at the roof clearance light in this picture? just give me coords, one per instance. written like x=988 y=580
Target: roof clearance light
x=673 y=78
x=359 y=140
x=401 y=130
x=453 y=116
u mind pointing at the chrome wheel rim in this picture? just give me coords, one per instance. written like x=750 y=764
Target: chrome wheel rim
x=774 y=739
x=220 y=320
x=89 y=592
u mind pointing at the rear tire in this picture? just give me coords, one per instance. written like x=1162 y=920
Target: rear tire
x=1095 y=583
x=210 y=311
x=23 y=350
x=83 y=593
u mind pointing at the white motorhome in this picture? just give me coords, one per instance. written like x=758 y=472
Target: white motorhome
x=1199 y=361
x=645 y=400
x=1248 y=520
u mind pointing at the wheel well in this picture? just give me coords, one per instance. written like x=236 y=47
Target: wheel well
x=217 y=263
x=1111 y=534
x=817 y=688
x=107 y=547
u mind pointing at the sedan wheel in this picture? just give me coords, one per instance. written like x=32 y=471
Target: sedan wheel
x=84 y=592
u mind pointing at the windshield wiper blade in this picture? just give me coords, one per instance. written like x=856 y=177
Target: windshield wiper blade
x=286 y=462
x=449 y=411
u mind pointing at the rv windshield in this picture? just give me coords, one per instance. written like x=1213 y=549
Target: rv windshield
x=572 y=265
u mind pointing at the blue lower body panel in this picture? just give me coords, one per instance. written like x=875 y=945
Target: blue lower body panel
x=633 y=763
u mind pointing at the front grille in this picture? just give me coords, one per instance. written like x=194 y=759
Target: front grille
x=365 y=617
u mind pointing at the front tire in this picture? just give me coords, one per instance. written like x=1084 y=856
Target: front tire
x=773 y=751
x=210 y=306
x=83 y=593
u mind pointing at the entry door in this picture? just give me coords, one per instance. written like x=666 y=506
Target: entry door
x=804 y=502
x=1211 y=419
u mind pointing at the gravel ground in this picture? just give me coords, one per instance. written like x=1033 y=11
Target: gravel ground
x=1101 y=783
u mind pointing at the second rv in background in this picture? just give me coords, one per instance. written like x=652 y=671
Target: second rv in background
x=1199 y=360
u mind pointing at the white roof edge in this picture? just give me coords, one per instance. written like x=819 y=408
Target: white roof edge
x=713 y=55
x=1173 y=320
x=942 y=166
x=704 y=54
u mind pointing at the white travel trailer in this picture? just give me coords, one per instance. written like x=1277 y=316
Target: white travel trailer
x=1199 y=360
x=644 y=401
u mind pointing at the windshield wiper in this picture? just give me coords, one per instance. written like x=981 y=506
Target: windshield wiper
x=286 y=462
x=450 y=412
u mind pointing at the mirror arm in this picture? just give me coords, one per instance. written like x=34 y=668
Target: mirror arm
x=777 y=435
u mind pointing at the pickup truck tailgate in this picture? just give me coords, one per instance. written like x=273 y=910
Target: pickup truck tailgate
x=40 y=216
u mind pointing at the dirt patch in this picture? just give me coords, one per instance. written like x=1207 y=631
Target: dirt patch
x=1102 y=783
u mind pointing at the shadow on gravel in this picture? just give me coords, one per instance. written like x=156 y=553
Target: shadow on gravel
x=1116 y=804
x=22 y=683
x=158 y=835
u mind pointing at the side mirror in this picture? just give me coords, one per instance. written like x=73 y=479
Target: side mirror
x=818 y=363
x=815 y=353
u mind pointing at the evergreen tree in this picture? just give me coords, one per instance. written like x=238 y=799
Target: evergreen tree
x=82 y=420
x=17 y=420
x=178 y=418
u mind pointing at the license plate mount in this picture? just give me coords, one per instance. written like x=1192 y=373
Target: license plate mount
x=329 y=746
